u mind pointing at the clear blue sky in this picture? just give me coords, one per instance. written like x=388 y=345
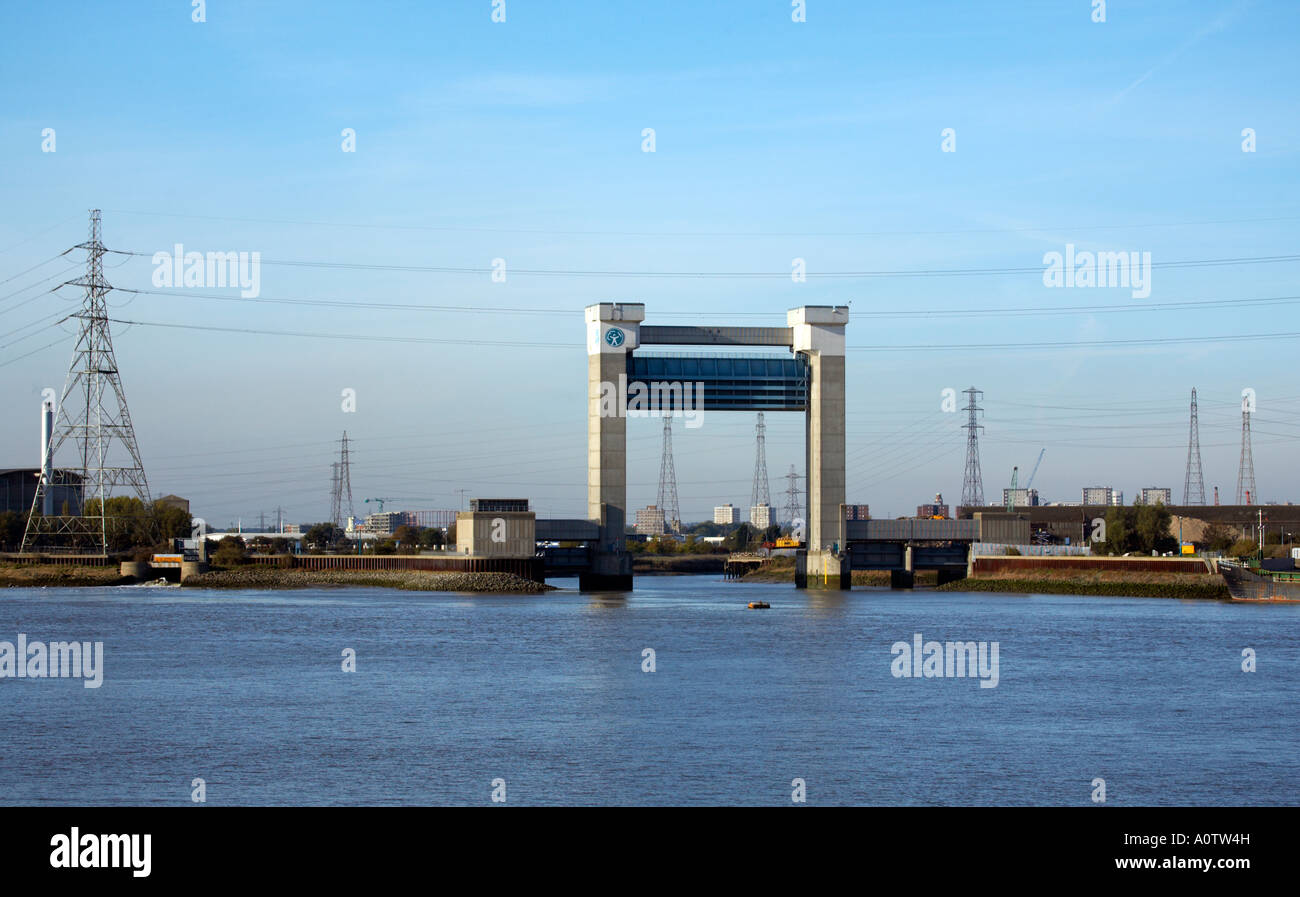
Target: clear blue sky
x=774 y=140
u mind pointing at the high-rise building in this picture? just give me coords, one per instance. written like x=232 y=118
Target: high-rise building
x=1102 y=495
x=726 y=514
x=650 y=521
x=385 y=521
x=1153 y=495
x=857 y=512
x=760 y=515
x=1020 y=498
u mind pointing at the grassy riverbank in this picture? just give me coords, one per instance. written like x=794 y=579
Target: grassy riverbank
x=676 y=564
x=408 y=580
x=29 y=576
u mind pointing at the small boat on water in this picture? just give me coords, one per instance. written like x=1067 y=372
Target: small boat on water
x=1246 y=583
x=759 y=605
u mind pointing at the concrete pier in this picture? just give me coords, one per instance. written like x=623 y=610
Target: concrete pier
x=613 y=330
x=137 y=570
x=822 y=570
x=818 y=334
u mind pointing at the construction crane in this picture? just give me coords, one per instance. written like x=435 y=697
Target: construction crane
x=1011 y=495
x=380 y=501
x=1029 y=482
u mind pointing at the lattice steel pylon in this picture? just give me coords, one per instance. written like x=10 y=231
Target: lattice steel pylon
x=345 y=477
x=668 y=481
x=793 y=507
x=336 y=498
x=1194 y=484
x=972 y=484
x=341 y=487
x=92 y=412
x=1246 y=493
x=760 y=494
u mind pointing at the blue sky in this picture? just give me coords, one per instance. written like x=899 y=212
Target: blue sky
x=775 y=140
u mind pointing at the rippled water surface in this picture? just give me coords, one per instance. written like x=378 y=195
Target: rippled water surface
x=245 y=690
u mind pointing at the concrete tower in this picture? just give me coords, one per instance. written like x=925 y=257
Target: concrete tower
x=613 y=330
x=818 y=333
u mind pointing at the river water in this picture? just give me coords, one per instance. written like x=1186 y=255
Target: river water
x=246 y=691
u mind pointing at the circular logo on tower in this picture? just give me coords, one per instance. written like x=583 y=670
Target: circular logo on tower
x=614 y=337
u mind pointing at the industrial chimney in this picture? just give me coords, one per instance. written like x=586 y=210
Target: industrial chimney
x=47 y=463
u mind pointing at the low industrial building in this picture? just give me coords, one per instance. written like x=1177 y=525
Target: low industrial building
x=18 y=490
x=497 y=533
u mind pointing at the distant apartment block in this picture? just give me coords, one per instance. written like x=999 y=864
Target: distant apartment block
x=937 y=508
x=1102 y=495
x=385 y=522
x=650 y=521
x=857 y=512
x=1154 y=495
x=1022 y=498
x=761 y=516
x=726 y=514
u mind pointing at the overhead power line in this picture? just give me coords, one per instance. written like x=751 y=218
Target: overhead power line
x=1021 y=345
x=732 y=275
x=1022 y=311
x=694 y=234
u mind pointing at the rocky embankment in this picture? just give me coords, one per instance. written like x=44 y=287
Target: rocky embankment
x=1122 y=585
x=409 y=580
x=28 y=576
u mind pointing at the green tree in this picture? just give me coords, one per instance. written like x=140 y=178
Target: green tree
x=1119 y=533
x=1218 y=537
x=231 y=551
x=1244 y=548
x=407 y=538
x=739 y=538
x=1151 y=525
x=322 y=535
x=11 y=528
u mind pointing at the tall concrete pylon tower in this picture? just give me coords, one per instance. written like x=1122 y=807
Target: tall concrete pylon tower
x=668 y=481
x=613 y=331
x=92 y=412
x=972 y=484
x=1194 y=484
